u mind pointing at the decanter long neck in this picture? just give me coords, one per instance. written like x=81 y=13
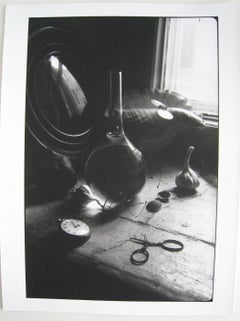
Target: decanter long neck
x=115 y=105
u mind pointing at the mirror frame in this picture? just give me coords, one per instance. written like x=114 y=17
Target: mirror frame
x=42 y=43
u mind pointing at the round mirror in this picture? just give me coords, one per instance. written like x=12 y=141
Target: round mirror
x=63 y=92
x=59 y=96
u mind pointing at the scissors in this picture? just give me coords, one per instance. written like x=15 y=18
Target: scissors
x=141 y=255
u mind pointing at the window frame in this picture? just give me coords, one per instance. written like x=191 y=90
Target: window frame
x=160 y=66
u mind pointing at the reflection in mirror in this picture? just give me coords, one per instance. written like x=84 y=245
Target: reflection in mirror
x=59 y=96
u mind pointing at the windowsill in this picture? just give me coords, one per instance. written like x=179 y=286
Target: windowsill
x=203 y=106
x=210 y=119
x=207 y=111
x=141 y=98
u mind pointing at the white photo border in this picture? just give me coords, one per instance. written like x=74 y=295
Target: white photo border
x=12 y=157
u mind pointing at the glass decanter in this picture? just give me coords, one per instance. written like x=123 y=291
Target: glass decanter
x=115 y=170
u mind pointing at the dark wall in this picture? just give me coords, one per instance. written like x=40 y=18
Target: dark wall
x=125 y=44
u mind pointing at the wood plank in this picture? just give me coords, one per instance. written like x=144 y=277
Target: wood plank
x=183 y=276
x=191 y=215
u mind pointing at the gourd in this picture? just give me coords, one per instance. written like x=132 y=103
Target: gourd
x=187 y=179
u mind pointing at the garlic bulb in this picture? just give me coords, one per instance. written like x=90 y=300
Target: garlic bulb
x=187 y=179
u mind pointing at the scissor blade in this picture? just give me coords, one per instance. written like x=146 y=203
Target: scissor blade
x=135 y=240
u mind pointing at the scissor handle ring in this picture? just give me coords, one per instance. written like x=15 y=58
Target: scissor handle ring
x=165 y=246
x=140 y=262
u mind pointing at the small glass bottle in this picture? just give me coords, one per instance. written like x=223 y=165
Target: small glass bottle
x=115 y=170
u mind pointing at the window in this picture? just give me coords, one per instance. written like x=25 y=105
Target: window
x=189 y=64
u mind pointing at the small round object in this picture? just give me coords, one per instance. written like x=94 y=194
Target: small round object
x=165 y=114
x=75 y=228
x=164 y=196
x=158 y=103
x=154 y=206
x=166 y=245
x=134 y=257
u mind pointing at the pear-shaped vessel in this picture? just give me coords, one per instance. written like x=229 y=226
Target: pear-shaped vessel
x=115 y=170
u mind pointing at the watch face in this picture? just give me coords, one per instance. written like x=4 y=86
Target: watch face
x=75 y=228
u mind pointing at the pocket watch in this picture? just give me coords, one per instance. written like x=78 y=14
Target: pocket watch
x=74 y=229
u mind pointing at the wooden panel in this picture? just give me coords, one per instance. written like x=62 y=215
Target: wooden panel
x=191 y=215
x=181 y=276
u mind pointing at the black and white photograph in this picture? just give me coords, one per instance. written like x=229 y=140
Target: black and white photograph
x=121 y=158
x=120 y=126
